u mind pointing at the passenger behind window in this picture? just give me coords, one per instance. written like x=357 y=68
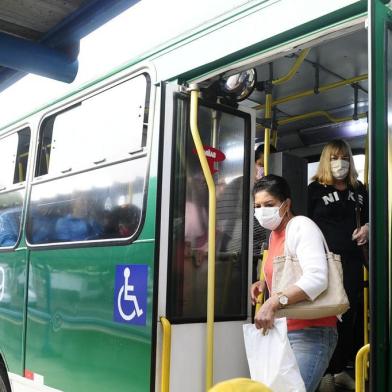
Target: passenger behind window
x=42 y=227
x=9 y=226
x=78 y=226
x=121 y=221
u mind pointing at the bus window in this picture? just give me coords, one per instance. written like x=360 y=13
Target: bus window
x=93 y=155
x=106 y=127
x=14 y=151
x=226 y=132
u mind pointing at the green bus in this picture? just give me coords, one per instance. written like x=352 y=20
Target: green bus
x=104 y=207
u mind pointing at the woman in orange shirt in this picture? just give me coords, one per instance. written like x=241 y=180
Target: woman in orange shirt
x=313 y=341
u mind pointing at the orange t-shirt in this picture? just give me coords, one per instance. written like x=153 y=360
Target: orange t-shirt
x=276 y=248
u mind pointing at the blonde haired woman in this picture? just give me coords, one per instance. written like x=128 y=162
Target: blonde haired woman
x=332 y=200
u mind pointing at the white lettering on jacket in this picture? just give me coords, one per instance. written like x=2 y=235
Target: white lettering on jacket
x=330 y=198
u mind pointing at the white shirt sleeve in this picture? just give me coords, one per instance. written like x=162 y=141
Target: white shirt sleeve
x=305 y=240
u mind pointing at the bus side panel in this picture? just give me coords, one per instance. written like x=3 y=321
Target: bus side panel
x=73 y=340
x=12 y=295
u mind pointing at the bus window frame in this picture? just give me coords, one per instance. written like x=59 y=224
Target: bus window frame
x=17 y=186
x=144 y=152
x=246 y=214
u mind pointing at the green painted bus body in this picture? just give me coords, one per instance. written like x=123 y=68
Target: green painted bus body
x=69 y=332
x=66 y=331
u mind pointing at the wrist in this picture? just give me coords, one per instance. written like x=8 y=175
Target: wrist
x=282 y=300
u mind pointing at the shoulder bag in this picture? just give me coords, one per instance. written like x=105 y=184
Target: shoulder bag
x=331 y=302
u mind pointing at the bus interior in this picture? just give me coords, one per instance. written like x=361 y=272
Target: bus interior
x=319 y=93
x=326 y=97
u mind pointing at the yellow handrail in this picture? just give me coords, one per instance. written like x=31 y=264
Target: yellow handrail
x=294 y=69
x=193 y=88
x=267 y=132
x=359 y=368
x=21 y=174
x=166 y=349
x=321 y=89
x=260 y=298
x=365 y=271
x=318 y=113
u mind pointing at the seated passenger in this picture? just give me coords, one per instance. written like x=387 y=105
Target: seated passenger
x=41 y=224
x=9 y=226
x=77 y=226
x=122 y=221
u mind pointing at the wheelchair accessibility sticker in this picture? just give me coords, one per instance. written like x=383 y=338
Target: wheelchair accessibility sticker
x=130 y=294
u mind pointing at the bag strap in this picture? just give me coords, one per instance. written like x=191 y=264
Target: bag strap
x=357 y=210
x=287 y=233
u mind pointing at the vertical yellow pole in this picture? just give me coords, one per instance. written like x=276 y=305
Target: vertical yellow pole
x=21 y=174
x=359 y=367
x=166 y=349
x=365 y=271
x=260 y=298
x=267 y=132
x=211 y=235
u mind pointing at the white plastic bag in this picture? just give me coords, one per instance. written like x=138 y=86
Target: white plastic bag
x=271 y=359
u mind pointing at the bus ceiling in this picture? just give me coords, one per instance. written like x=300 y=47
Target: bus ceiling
x=46 y=42
x=318 y=93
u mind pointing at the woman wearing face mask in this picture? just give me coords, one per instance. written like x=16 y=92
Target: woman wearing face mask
x=332 y=199
x=313 y=341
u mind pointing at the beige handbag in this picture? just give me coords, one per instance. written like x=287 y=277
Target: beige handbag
x=331 y=302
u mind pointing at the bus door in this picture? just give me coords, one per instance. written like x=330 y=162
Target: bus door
x=226 y=135
x=380 y=101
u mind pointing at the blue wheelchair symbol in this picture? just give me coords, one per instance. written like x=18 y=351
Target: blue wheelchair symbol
x=130 y=294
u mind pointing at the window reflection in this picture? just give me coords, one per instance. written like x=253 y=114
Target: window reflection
x=10 y=215
x=14 y=150
x=188 y=286
x=108 y=126
x=100 y=204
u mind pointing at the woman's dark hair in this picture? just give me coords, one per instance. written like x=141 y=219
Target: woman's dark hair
x=260 y=151
x=275 y=185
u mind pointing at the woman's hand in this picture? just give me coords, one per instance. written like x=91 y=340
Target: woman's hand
x=265 y=317
x=256 y=289
x=361 y=235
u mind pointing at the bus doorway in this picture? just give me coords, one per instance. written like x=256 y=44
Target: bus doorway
x=306 y=99
x=312 y=94
x=226 y=134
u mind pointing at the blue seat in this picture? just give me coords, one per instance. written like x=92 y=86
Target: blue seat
x=9 y=226
x=69 y=228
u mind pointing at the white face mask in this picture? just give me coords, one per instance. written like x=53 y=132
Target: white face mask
x=269 y=217
x=340 y=169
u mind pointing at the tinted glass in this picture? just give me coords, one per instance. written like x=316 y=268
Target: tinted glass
x=107 y=127
x=223 y=135
x=14 y=150
x=95 y=205
x=11 y=204
x=94 y=201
